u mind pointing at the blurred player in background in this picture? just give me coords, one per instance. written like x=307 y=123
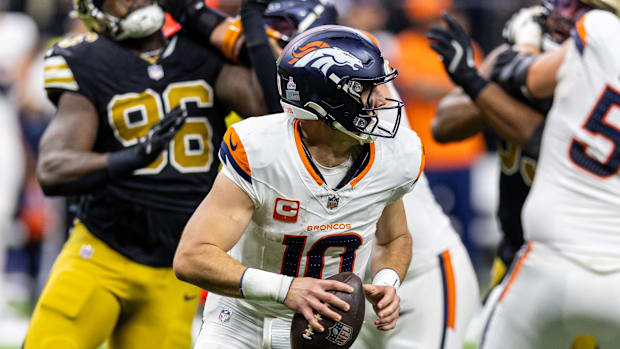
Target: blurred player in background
x=138 y=122
x=532 y=30
x=561 y=292
x=285 y=178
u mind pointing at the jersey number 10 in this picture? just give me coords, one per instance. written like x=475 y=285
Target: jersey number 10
x=315 y=257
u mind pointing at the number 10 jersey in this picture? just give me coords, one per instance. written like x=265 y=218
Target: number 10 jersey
x=301 y=227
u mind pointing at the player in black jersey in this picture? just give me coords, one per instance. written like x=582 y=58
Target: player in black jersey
x=532 y=30
x=136 y=133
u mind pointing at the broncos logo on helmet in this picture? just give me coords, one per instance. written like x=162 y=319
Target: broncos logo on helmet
x=321 y=56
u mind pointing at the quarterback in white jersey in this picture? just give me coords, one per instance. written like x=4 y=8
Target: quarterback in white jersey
x=305 y=195
x=562 y=291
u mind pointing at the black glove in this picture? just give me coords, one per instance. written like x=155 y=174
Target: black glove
x=457 y=54
x=125 y=161
x=176 y=8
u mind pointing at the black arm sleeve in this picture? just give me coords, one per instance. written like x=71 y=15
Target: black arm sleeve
x=260 y=54
x=83 y=185
x=510 y=72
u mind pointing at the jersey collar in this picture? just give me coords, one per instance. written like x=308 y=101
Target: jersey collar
x=360 y=167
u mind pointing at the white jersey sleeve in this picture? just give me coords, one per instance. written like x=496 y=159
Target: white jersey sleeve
x=236 y=165
x=595 y=32
x=412 y=169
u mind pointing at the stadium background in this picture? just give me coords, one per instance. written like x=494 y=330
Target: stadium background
x=33 y=228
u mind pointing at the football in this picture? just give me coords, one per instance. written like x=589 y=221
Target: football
x=340 y=334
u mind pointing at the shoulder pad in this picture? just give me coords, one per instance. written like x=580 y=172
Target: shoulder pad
x=63 y=62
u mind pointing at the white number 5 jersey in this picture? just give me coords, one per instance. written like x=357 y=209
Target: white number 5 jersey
x=574 y=204
x=301 y=226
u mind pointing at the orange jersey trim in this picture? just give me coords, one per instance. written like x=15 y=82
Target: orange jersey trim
x=237 y=150
x=422 y=163
x=515 y=272
x=581 y=29
x=450 y=289
x=303 y=157
x=367 y=168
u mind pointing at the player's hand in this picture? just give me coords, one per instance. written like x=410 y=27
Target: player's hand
x=309 y=296
x=457 y=54
x=454 y=46
x=149 y=147
x=386 y=304
x=160 y=134
x=525 y=28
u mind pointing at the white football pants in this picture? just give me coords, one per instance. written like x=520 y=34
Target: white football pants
x=435 y=307
x=552 y=301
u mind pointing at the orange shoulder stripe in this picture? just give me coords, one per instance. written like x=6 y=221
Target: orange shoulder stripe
x=237 y=150
x=581 y=29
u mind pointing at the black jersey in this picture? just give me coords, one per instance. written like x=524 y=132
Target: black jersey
x=142 y=216
x=517 y=173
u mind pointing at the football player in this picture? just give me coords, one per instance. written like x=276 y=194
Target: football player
x=531 y=30
x=440 y=275
x=139 y=120
x=561 y=287
x=304 y=195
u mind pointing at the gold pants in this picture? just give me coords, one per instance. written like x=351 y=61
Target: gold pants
x=94 y=294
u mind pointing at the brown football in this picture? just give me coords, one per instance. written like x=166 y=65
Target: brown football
x=340 y=334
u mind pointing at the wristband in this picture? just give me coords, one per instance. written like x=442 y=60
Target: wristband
x=262 y=285
x=386 y=277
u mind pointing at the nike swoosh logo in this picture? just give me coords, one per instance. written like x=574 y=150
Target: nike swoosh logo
x=188 y=298
x=233 y=147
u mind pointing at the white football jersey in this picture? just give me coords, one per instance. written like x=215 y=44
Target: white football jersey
x=574 y=204
x=431 y=229
x=301 y=227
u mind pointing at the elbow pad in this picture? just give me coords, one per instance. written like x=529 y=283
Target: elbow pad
x=510 y=72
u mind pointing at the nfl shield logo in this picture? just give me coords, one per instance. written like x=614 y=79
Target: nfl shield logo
x=332 y=202
x=156 y=72
x=340 y=334
x=225 y=315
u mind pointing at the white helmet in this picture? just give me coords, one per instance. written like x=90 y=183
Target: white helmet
x=137 y=24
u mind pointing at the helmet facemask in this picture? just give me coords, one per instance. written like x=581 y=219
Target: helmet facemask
x=138 y=23
x=360 y=119
x=561 y=17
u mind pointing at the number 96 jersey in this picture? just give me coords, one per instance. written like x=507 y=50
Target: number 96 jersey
x=143 y=215
x=301 y=227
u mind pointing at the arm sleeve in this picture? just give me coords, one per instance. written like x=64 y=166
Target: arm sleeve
x=261 y=56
